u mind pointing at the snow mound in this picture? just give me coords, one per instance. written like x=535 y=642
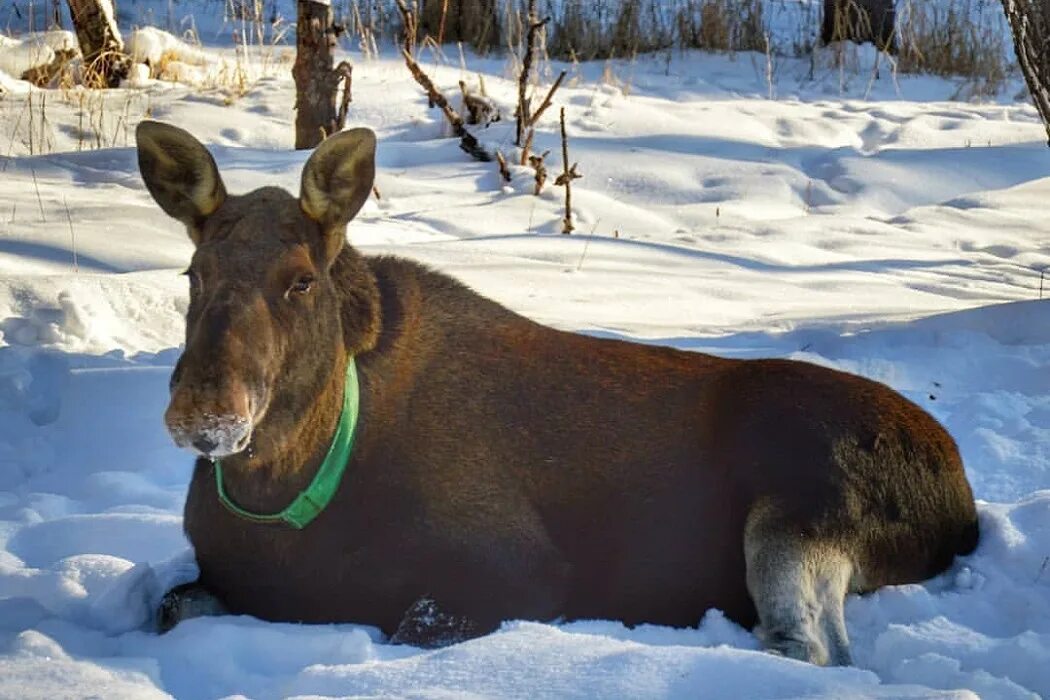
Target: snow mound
x=18 y=55
x=592 y=664
x=159 y=48
x=40 y=670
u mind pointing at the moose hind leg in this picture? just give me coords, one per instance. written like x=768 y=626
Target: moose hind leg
x=799 y=590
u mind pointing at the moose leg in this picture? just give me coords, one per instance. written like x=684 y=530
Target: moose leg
x=799 y=590
x=184 y=602
x=470 y=607
x=426 y=625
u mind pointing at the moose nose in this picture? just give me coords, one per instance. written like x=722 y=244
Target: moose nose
x=212 y=436
x=205 y=445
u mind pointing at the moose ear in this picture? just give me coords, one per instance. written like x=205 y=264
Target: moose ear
x=337 y=181
x=179 y=173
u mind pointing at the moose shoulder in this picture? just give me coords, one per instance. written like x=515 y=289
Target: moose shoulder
x=379 y=444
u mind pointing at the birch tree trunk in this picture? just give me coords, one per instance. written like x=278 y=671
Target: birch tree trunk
x=316 y=81
x=105 y=62
x=1030 y=24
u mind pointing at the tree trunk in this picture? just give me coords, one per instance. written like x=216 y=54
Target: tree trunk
x=100 y=43
x=1030 y=24
x=316 y=81
x=860 y=21
x=474 y=22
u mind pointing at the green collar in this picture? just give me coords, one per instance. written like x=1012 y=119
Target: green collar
x=312 y=500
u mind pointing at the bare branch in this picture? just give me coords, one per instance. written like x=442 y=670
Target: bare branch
x=528 y=146
x=408 y=19
x=539 y=165
x=535 y=24
x=504 y=171
x=345 y=71
x=480 y=110
x=546 y=101
x=467 y=141
x=567 y=176
x=441 y=26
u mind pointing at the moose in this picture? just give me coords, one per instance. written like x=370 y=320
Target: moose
x=376 y=443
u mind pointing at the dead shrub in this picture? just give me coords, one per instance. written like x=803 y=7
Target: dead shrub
x=598 y=29
x=964 y=38
x=721 y=25
x=473 y=22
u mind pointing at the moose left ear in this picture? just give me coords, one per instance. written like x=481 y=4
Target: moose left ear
x=179 y=173
x=337 y=181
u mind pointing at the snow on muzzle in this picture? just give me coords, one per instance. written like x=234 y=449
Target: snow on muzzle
x=212 y=423
x=212 y=435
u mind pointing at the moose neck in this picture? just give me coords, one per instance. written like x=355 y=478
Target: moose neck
x=279 y=464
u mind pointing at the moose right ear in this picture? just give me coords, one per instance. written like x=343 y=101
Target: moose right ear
x=179 y=173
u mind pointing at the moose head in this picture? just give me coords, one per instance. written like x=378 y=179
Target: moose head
x=277 y=300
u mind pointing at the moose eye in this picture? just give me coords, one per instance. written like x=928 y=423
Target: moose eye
x=302 y=285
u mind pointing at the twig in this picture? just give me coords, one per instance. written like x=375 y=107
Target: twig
x=587 y=244
x=408 y=18
x=525 y=157
x=433 y=93
x=435 y=49
x=80 y=124
x=43 y=123
x=568 y=175
x=538 y=164
x=546 y=101
x=39 y=200
x=29 y=96
x=471 y=116
x=441 y=25
x=344 y=70
x=11 y=143
x=535 y=24
x=479 y=109
x=466 y=140
x=72 y=236
x=504 y=171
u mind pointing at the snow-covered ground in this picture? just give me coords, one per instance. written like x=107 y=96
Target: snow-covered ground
x=865 y=224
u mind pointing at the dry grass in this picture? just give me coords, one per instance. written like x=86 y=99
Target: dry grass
x=596 y=30
x=95 y=118
x=950 y=38
x=99 y=117
x=965 y=38
x=722 y=25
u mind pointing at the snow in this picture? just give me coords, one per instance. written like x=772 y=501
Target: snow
x=17 y=55
x=150 y=44
x=885 y=230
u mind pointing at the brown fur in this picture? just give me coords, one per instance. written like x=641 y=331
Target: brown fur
x=860 y=21
x=506 y=470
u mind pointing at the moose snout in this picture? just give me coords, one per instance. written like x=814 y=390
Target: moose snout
x=213 y=423
x=212 y=435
